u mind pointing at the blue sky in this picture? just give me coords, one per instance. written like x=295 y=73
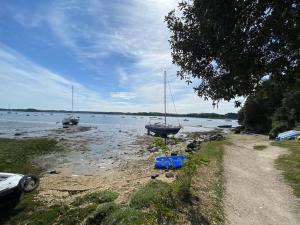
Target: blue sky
x=113 y=52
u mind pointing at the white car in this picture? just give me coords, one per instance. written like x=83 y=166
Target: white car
x=13 y=186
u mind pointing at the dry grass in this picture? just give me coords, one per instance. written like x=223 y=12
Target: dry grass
x=259 y=147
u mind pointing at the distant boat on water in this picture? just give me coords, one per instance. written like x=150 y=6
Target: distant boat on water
x=163 y=129
x=225 y=126
x=185 y=120
x=71 y=120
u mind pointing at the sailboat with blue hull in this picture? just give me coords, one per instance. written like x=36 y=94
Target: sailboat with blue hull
x=163 y=129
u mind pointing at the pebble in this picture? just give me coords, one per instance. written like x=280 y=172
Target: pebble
x=153 y=176
x=170 y=174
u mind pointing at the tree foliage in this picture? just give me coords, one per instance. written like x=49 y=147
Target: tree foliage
x=274 y=107
x=231 y=46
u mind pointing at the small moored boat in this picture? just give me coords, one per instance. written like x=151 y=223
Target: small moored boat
x=163 y=129
x=70 y=120
x=225 y=126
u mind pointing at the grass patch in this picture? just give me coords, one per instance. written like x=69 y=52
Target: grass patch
x=290 y=164
x=128 y=216
x=35 y=213
x=259 y=147
x=16 y=155
x=155 y=192
x=96 y=197
x=206 y=190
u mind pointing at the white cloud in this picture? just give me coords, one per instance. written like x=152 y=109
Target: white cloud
x=123 y=77
x=123 y=95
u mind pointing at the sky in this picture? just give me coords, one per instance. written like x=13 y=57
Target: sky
x=112 y=52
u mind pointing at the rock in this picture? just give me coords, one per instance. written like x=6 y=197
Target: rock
x=170 y=174
x=216 y=137
x=153 y=176
x=192 y=145
x=238 y=129
x=53 y=172
x=154 y=149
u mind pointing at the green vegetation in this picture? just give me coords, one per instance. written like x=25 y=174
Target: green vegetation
x=156 y=203
x=290 y=164
x=96 y=197
x=33 y=212
x=16 y=155
x=259 y=147
x=153 y=193
x=274 y=108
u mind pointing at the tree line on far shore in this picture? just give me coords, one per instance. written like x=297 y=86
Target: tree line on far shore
x=195 y=115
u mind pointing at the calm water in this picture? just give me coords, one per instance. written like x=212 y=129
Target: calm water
x=38 y=124
x=110 y=141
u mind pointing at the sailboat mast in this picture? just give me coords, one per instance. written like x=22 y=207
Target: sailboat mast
x=165 y=81
x=72 y=98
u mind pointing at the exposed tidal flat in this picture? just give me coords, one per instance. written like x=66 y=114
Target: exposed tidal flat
x=109 y=155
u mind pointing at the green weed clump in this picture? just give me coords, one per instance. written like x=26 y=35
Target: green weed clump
x=158 y=198
x=96 y=197
x=16 y=155
x=129 y=216
x=101 y=213
x=113 y=214
x=259 y=147
x=154 y=192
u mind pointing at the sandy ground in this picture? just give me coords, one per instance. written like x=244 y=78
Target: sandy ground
x=124 y=181
x=255 y=190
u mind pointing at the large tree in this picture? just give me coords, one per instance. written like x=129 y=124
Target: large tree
x=232 y=46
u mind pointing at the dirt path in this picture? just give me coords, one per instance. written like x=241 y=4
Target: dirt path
x=255 y=191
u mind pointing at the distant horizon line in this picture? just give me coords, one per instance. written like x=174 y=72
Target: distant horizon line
x=230 y=115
